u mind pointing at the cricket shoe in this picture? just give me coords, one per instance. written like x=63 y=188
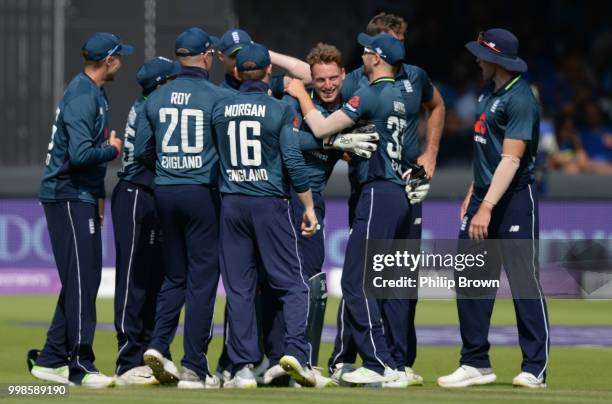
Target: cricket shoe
x=223 y=375
x=367 y=376
x=97 y=381
x=55 y=375
x=275 y=376
x=466 y=376
x=243 y=379
x=525 y=379
x=304 y=376
x=163 y=369
x=191 y=380
x=322 y=381
x=405 y=378
x=140 y=375
x=339 y=370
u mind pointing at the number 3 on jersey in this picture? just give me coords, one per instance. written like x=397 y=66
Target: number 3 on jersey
x=185 y=114
x=250 y=149
x=398 y=127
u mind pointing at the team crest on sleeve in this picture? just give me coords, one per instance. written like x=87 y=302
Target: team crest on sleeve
x=353 y=103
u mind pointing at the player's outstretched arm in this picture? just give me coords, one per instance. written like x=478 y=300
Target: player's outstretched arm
x=436 y=112
x=294 y=66
x=320 y=126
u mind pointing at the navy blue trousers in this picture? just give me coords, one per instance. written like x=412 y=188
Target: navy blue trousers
x=514 y=217
x=382 y=212
x=312 y=252
x=259 y=232
x=401 y=338
x=189 y=217
x=74 y=229
x=139 y=271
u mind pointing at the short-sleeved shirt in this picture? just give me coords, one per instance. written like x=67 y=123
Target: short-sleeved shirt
x=512 y=112
x=258 y=152
x=76 y=159
x=416 y=87
x=319 y=162
x=383 y=104
x=133 y=170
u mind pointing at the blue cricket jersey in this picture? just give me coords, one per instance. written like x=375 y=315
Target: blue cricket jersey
x=416 y=88
x=133 y=170
x=319 y=162
x=175 y=130
x=77 y=157
x=512 y=112
x=259 y=153
x=382 y=104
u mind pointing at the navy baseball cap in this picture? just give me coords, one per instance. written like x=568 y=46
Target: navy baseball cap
x=193 y=42
x=156 y=71
x=498 y=46
x=103 y=44
x=253 y=57
x=233 y=40
x=391 y=50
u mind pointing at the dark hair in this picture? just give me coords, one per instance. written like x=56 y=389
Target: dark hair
x=383 y=22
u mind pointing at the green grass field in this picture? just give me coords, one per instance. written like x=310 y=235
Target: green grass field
x=576 y=374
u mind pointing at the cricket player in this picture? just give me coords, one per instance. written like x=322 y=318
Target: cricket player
x=383 y=210
x=328 y=73
x=418 y=92
x=137 y=240
x=259 y=155
x=235 y=39
x=72 y=195
x=501 y=204
x=175 y=131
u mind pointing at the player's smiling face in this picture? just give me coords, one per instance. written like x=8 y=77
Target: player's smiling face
x=327 y=81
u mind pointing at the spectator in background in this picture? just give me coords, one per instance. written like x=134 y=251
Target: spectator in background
x=565 y=150
x=597 y=134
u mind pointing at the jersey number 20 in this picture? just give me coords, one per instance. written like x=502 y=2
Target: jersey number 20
x=186 y=113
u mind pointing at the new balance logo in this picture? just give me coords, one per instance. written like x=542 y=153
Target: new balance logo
x=514 y=229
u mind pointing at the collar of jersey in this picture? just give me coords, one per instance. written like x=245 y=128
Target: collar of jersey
x=193 y=72
x=508 y=85
x=254 y=86
x=383 y=80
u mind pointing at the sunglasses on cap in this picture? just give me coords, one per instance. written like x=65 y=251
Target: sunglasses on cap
x=368 y=51
x=489 y=45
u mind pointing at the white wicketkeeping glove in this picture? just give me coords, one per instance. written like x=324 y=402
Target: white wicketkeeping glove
x=417 y=185
x=361 y=144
